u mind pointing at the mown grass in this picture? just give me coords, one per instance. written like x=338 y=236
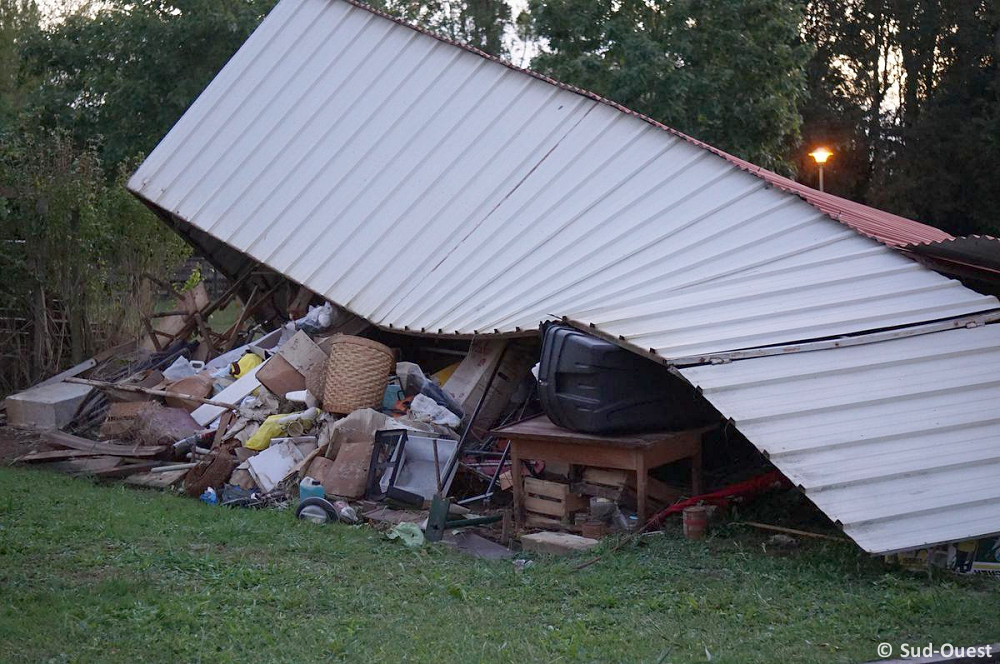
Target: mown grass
x=96 y=573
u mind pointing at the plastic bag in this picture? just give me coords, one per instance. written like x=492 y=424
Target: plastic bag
x=181 y=368
x=425 y=409
x=317 y=320
x=407 y=533
x=294 y=424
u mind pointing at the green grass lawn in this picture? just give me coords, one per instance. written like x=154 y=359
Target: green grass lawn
x=106 y=573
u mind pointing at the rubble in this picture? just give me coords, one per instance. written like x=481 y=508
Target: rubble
x=406 y=435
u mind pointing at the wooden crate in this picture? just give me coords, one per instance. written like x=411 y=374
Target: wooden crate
x=619 y=486
x=550 y=504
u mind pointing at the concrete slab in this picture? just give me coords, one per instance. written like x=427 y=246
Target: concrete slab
x=45 y=407
x=556 y=543
x=477 y=546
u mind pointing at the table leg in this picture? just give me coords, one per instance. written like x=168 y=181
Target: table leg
x=696 y=476
x=518 y=485
x=641 y=473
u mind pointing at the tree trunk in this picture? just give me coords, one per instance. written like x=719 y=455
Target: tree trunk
x=78 y=306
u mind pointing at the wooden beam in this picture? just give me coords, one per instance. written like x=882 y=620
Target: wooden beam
x=56 y=455
x=124 y=470
x=790 y=531
x=64 y=439
x=151 y=392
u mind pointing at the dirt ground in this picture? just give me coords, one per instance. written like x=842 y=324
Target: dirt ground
x=17 y=442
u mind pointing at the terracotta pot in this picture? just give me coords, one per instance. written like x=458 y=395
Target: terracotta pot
x=594 y=529
x=695 y=522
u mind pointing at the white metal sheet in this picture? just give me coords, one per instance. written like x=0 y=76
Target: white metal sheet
x=426 y=187
x=898 y=441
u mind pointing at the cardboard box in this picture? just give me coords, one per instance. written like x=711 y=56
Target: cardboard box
x=980 y=556
x=298 y=365
x=469 y=380
x=280 y=377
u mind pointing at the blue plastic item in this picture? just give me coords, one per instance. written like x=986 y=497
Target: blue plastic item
x=210 y=497
x=310 y=488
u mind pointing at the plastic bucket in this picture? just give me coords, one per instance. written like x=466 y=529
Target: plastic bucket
x=695 y=522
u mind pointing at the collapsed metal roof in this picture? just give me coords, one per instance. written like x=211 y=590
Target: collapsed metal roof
x=432 y=189
x=898 y=441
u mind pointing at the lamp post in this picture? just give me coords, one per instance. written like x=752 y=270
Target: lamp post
x=820 y=155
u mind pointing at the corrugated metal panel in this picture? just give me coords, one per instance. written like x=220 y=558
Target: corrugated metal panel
x=899 y=441
x=887 y=228
x=425 y=187
x=981 y=252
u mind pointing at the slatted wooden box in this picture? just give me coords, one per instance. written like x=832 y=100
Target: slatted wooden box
x=551 y=504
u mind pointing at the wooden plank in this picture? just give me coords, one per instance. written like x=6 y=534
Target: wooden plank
x=55 y=455
x=617 y=494
x=542 y=506
x=538 y=521
x=662 y=492
x=620 y=479
x=534 y=520
x=684 y=446
x=554 y=490
x=244 y=385
x=606 y=476
x=157 y=480
x=88 y=465
x=146 y=390
x=540 y=428
x=124 y=470
x=69 y=373
x=63 y=439
x=517 y=485
x=579 y=455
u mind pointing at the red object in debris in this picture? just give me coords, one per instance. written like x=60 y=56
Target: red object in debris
x=741 y=490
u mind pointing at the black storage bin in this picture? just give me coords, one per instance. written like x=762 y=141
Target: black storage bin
x=593 y=386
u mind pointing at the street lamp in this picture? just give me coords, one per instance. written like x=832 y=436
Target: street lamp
x=820 y=155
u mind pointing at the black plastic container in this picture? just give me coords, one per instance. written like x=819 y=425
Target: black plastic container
x=590 y=385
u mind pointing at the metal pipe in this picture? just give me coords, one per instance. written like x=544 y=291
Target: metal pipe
x=475 y=413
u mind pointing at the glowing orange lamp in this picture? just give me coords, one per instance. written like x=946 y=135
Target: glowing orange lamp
x=820 y=155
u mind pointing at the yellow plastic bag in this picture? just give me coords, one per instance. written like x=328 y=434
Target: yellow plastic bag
x=279 y=425
x=245 y=364
x=271 y=428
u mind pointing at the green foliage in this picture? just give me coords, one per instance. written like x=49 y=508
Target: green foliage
x=193 y=280
x=18 y=18
x=729 y=73
x=73 y=240
x=123 y=75
x=478 y=23
x=908 y=95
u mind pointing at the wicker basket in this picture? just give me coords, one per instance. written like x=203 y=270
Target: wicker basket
x=356 y=374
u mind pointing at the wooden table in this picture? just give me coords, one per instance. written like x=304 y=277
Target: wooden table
x=537 y=438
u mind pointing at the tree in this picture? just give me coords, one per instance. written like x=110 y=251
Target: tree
x=907 y=93
x=123 y=75
x=482 y=24
x=18 y=19
x=73 y=247
x=944 y=168
x=729 y=73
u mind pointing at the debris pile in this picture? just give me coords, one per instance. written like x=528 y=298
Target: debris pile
x=343 y=423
